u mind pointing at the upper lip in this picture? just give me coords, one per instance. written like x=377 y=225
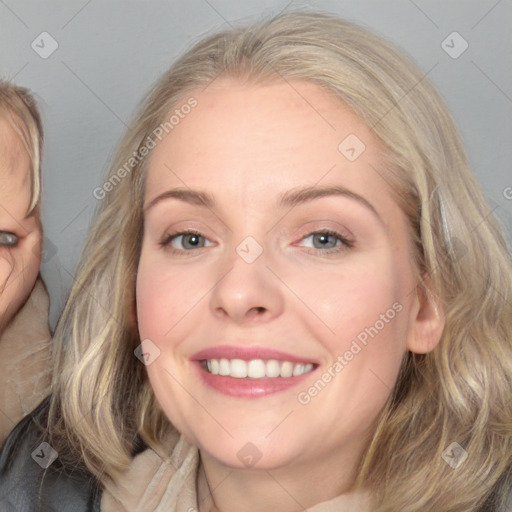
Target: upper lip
x=247 y=354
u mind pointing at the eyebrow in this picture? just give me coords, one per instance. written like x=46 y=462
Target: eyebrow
x=288 y=199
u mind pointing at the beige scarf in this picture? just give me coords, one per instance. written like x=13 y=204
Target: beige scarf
x=156 y=483
x=25 y=369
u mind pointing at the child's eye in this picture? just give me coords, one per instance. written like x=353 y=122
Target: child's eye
x=185 y=240
x=327 y=241
x=8 y=239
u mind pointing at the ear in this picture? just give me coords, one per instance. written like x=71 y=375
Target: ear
x=131 y=314
x=134 y=313
x=427 y=319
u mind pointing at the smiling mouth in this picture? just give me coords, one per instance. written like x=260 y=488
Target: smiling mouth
x=255 y=368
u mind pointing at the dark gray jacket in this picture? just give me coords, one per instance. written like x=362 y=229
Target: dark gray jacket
x=25 y=484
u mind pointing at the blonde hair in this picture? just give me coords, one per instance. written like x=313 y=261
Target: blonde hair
x=19 y=108
x=459 y=392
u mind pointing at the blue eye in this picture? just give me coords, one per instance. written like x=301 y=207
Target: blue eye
x=327 y=241
x=189 y=240
x=8 y=239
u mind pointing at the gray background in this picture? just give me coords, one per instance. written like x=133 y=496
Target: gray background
x=110 y=52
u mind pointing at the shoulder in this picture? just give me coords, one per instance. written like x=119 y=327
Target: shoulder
x=32 y=477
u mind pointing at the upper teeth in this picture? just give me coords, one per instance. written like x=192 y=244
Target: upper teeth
x=256 y=368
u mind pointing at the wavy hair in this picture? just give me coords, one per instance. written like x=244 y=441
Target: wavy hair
x=459 y=392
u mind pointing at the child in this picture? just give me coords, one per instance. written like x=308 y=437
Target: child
x=24 y=331
x=294 y=297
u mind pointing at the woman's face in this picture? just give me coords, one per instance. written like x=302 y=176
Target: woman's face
x=20 y=236
x=310 y=293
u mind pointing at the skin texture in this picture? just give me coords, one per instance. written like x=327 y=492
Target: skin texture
x=246 y=145
x=19 y=263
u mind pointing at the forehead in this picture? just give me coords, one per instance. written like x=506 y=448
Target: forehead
x=14 y=171
x=13 y=155
x=251 y=142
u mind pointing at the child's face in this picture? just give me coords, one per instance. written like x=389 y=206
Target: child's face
x=20 y=237
x=305 y=298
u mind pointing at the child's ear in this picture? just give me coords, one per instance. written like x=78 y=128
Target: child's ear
x=428 y=320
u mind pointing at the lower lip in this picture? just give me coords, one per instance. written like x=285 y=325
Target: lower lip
x=249 y=388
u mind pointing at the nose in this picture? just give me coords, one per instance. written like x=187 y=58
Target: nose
x=248 y=292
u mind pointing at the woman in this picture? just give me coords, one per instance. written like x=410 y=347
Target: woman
x=293 y=296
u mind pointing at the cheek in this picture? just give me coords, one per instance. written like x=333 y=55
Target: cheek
x=7 y=263
x=29 y=261
x=163 y=299
x=8 y=286
x=344 y=301
x=164 y=296
x=360 y=319
x=19 y=268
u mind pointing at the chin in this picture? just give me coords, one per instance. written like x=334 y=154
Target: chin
x=250 y=452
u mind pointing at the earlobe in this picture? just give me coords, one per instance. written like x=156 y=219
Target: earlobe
x=428 y=320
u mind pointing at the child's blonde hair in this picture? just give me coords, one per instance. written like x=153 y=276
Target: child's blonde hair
x=19 y=109
x=458 y=393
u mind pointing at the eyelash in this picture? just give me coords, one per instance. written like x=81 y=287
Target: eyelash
x=165 y=243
